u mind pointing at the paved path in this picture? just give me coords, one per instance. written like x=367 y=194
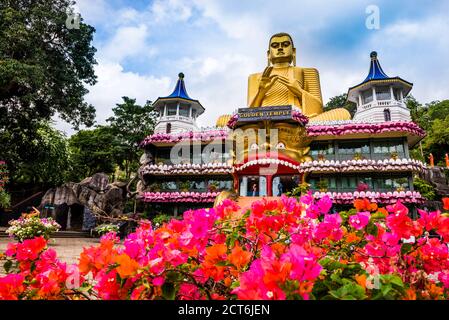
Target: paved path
x=67 y=249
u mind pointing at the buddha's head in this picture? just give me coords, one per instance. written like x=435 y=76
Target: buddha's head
x=281 y=49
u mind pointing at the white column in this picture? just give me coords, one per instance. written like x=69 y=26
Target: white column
x=165 y=109
x=360 y=99
x=374 y=94
x=191 y=111
x=177 y=109
x=401 y=95
x=391 y=93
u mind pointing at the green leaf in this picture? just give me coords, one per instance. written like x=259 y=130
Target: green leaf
x=7 y=266
x=372 y=229
x=168 y=291
x=406 y=248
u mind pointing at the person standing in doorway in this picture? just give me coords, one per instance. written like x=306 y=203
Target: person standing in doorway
x=254 y=191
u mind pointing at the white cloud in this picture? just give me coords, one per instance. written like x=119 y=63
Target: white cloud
x=169 y=11
x=417 y=51
x=127 y=42
x=113 y=84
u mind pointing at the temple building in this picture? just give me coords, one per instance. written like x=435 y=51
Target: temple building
x=284 y=139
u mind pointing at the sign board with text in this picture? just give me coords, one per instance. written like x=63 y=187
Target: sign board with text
x=265 y=113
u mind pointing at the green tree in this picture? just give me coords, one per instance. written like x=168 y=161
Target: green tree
x=130 y=124
x=46 y=161
x=92 y=151
x=44 y=67
x=341 y=101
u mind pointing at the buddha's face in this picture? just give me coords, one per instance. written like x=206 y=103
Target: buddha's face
x=281 y=50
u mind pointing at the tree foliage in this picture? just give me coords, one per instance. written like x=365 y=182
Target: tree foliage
x=130 y=124
x=92 y=151
x=44 y=67
x=341 y=101
x=434 y=118
x=46 y=158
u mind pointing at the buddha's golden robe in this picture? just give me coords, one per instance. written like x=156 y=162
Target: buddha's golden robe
x=310 y=102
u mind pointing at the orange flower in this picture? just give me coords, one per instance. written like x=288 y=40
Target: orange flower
x=365 y=205
x=361 y=280
x=352 y=237
x=278 y=248
x=215 y=253
x=362 y=204
x=410 y=294
x=434 y=291
x=127 y=266
x=239 y=257
x=445 y=203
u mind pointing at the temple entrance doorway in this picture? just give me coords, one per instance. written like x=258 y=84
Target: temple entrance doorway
x=284 y=183
x=253 y=186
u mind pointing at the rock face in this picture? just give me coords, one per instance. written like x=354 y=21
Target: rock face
x=95 y=193
x=437 y=178
x=145 y=160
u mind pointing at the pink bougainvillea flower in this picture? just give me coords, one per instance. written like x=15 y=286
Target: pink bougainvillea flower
x=359 y=220
x=324 y=204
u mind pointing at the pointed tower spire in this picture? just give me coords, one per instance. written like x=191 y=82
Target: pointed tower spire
x=180 y=89
x=375 y=70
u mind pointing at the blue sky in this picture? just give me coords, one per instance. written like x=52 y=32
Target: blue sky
x=143 y=45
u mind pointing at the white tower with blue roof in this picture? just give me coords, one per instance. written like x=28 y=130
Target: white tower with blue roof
x=380 y=98
x=177 y=112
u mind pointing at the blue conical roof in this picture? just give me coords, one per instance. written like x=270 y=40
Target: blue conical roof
x=376 y=74
x=375 y=70
x=180 y=89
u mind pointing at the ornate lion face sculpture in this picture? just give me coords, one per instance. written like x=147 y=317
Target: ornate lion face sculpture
x=277 y=140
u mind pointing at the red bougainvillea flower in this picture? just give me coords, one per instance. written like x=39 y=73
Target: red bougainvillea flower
x=28 y=250
x=400 y=223
x=359 y=220
x=429 y=220
x=445 y=203
x=11 y=286
x=434 y=255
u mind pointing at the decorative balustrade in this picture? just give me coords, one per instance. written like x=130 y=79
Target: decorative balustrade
x=362 y=165
x=205 y=168
x=377 y=197
x=190 y=197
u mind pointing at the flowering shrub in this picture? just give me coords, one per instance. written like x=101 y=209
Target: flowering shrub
x=28 y=228
x=277 y=249
x=34 y=272
x=105 y=228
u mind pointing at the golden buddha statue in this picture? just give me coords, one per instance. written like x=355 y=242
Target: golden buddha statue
x=283 y=83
